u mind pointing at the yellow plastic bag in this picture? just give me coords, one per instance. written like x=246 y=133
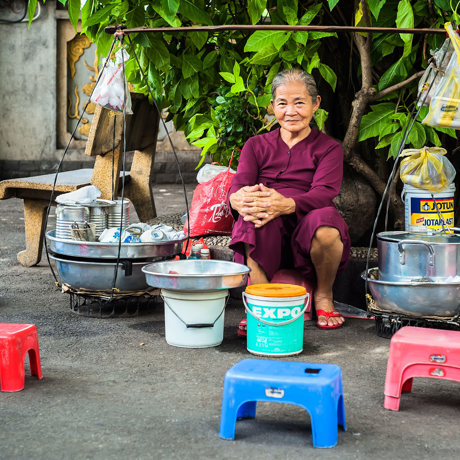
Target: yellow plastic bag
x=427 y=168
x=444 y=105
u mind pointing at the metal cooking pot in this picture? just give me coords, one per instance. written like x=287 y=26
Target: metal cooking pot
x=407 y=256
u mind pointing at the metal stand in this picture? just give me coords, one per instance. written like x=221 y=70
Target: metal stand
x=117 y=307
x=387 y=324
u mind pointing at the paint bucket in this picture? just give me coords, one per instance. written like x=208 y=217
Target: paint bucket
x=275 y=318
x=194 y=319
x=420 y=213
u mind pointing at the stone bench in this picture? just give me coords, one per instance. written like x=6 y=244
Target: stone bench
x=141 y=132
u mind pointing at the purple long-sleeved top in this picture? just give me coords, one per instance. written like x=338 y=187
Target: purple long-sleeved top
x=310 y=172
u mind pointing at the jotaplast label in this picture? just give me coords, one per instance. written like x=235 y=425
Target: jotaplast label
x=426 y=211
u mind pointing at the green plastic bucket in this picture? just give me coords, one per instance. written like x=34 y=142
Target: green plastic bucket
x=275 y=318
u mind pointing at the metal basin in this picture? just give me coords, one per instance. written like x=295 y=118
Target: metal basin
x=98 y=250
x=98 y=276
x=414 y=298
x=196 y=275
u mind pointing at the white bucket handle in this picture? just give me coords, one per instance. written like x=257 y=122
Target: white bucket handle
x=197 y=325
x=270 y=323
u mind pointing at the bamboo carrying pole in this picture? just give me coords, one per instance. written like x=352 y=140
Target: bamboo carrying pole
x=121 y=29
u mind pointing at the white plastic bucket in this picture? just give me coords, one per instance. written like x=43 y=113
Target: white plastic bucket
x=420 y=209
x=194 y=319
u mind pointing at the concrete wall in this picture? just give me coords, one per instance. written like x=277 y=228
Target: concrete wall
x=29 y=111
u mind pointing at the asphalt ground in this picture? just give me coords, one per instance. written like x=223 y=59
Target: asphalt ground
x=113 y=388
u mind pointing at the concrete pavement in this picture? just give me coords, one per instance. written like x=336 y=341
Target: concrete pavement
x=113 y=388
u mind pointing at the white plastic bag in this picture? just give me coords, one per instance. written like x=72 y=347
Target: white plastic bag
x=434 y=72
x=84 y=195
x=445 y=102
x=109 y=92
x=209 y=171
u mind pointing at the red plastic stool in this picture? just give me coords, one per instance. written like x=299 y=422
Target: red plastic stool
x=15 y=341
x=289 y=276
x=420 y=352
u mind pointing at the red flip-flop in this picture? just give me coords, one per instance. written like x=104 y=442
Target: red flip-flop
x=242 y=328
x=329 y=314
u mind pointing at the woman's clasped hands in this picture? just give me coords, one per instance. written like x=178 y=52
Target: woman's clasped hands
x=260 y=204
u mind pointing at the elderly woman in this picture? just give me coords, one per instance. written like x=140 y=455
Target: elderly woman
x=281 y=197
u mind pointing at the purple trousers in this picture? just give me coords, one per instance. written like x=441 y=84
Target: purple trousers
x=285 y=242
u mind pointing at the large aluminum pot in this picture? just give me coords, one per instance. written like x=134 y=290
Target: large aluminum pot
x=407 y=256
x=414 y=299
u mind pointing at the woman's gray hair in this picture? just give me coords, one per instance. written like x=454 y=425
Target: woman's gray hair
x=288 y=75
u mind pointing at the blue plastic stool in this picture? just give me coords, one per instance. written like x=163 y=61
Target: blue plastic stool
x=315 y=387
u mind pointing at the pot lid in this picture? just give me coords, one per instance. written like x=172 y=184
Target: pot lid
x=441 y=238
x=276 y=290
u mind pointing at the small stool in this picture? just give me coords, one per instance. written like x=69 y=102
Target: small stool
x=292 y=276
x=420 y=352
x=315 y=387
x=15 y=341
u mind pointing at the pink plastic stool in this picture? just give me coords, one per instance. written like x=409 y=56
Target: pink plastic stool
x=420 y=352
x=15 y=341
x=289 y=276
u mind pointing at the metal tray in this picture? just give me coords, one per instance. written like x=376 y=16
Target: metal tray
x=98 y=276
x=196 y=275
x=98 y=250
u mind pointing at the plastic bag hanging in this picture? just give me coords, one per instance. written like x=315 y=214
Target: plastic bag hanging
x=427 y=169
x=112 y=85
x=434 y=72
x=445 y=101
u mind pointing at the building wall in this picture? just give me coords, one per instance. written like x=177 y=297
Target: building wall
x=31 y=119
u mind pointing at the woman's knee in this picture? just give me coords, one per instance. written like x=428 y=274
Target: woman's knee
x=326 y=237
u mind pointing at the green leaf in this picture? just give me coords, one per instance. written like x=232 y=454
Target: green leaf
x=168 y=9
x=396 y=73
x=227 y=76
x=405 y=18
x=314 y=63
x=321 y=117
x=154 y=78
x=432 y=136
x=319 y=35
x=236 y=70
x=31 y=7
x=328 y=74
x=255 y=9
x=384 y=142
x=199 y=39
x=332 y=4
x=73 y=8
x=300 y=37
x=189 y=10
x=100 y=16
x=221 y=100
x=390 y=128
x=417 y=136
x=265 y=56
x=396 y=144
x=238 y=86
x=190 y=65
x=263 y=38
x=310 y=14
x=376 y=6
x=157 y=52
x=373 y=122
x=209 y=59
x=263 y=101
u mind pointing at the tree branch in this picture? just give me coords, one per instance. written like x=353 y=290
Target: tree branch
x=399 y=85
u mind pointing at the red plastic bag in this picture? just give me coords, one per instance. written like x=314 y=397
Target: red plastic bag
x=209 y=213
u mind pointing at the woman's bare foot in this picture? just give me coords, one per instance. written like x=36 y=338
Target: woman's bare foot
x=327 y=305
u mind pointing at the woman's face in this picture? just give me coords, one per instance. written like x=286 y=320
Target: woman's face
x=294 y=108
